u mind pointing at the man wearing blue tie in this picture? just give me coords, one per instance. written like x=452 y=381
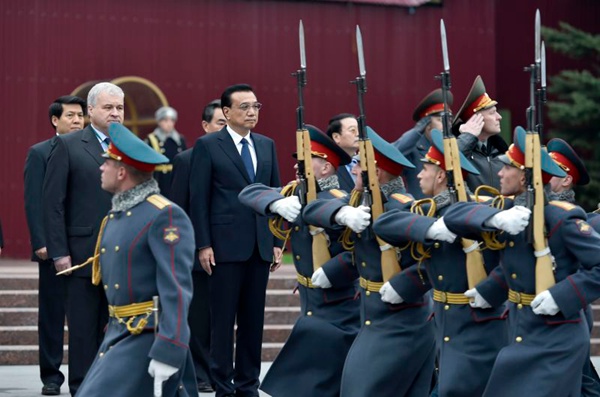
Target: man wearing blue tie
x=223 y=163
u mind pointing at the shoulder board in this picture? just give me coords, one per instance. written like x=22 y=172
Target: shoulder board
x=481 y=199
x=563 y=204
x=158 y=201
x=401 y=198
x=337 y=193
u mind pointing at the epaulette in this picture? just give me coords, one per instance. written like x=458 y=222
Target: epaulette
x=563 y=204
x=337 y=193
x=481 y=199
x=158 y=201
x=401 y=198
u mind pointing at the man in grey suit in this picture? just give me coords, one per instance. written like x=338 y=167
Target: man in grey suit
x=74 y=205
x=223 y=163
x=66 y=115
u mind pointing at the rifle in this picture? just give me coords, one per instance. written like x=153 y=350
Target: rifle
x=371 y=194
x=456 y=185
x=307 y=185
x=544 y=273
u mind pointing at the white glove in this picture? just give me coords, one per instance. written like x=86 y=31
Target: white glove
x=544 y=303
x=476 y=300
x=160 y=372
x=439 y=231
x=389 y=294
x=356 y=218
x=512 y=221
x=319 y=279
x=288 y=207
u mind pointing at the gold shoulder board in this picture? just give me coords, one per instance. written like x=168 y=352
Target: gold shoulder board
x=158 y=201
x=563 y=204
x=401 y=198
x=337 y=193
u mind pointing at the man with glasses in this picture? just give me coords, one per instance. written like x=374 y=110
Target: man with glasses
x=235 y=246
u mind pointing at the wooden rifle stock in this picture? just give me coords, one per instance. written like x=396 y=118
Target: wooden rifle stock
x=320 y=245
x=474 y=259
x=389 y=259
x=544 y=272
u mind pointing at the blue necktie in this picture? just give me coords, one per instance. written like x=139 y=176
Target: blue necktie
x=106 y=143
x=247 y=160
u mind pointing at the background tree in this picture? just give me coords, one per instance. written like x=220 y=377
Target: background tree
x=575 y=106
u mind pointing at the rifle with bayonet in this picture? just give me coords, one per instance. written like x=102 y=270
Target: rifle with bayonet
x=455 y=182
x=544 y=273
x=307 y=185
x=371 y=194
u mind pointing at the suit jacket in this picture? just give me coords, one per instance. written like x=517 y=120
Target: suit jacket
x=180 y=184
x=217 y=177
x=345 y=179
x=35 y=170
x=74 y=202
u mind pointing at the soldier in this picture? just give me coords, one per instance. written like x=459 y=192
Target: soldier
x=548 y=334
x=468 y=339
x=167 y=141
x=145 y=250
x=478 y=121
x=415 y=142
x=329 y=314
x=396 y=338
x=562 y=188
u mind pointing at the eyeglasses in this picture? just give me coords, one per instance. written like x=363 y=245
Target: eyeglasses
x=244 y=107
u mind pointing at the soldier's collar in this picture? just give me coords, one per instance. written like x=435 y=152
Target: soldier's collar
x=396 y=185
x=130 y=198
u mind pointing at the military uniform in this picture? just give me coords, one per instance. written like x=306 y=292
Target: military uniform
x=394 y=351
x=145 y=250
x=546 y=353
x=468 y=339
x=329 y=318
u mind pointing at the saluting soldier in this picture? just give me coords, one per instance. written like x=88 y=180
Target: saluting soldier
x=548 y=335
x=415 y=142
x=468 y=339
x=478 y=122
x=145 y=250
x=562 y=189
x=167 y=141
x=394 y=351
x=329 y=313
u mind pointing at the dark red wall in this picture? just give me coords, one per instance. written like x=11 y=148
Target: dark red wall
x=193 y=49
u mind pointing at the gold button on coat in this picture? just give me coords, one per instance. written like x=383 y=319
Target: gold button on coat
x=102 y=250
x=368 y=322
x=514 y=276
x=363 y=264
x=128 y=213
x=446 y=339
x=519 y=339
x=440 y=277
x=309 y=313
x=116 y=286
x=116 y=248
x=511 y=243
x=368 y=293
x=436 y=245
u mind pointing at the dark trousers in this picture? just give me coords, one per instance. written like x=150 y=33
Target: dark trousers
x=51 y=322
x=199 y=322
x=237 y=292
x=87 y=315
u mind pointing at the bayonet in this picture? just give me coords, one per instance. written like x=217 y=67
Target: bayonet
x=444 y=46
x=543 y=65
x=359 y=50
x=537 y=36
x=302 y=51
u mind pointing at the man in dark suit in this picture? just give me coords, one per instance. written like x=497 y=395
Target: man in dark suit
x=223 y=163
x=199 y=319
x=74 y=205
x=66 y=115
x=343 y=129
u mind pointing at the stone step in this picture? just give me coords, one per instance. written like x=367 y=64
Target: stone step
x=29 y=298
x=28 y=315
x=28 y=335
x=18 y=282
x=28 y=354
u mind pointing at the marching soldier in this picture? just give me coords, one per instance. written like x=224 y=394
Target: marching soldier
x=394 y=351
x=548 y=335
x=415 y=142
x=468 y=339
x=167 y=141
x=329 y=314
x=145 y=251
x=562 y=189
